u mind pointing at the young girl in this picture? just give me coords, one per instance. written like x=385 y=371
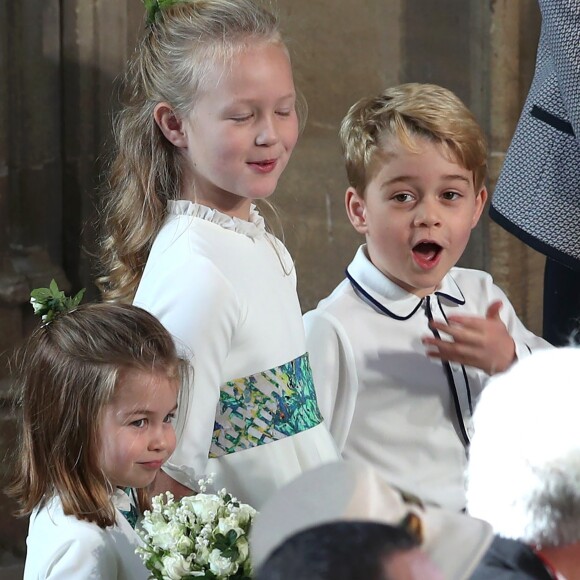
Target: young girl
x=208 y=128
x=99 y=388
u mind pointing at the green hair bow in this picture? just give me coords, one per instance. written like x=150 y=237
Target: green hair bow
x=50 y=302
x=155 y=6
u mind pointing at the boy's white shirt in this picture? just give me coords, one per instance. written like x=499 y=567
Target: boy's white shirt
x=386 y=402
x=63 y=547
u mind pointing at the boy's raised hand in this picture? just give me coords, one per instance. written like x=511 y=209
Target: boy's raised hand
x=479 y=342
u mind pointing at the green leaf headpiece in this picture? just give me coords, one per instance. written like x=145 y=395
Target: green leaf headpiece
x=155 y=6
x=51 y=302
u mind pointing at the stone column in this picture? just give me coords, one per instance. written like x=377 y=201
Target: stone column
x=341 y=52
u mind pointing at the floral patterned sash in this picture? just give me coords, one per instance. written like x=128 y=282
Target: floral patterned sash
x=265 y=407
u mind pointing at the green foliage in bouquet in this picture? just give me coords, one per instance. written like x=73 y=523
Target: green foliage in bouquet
x=204 y=536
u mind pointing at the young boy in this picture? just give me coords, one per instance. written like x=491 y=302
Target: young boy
x=402 y=348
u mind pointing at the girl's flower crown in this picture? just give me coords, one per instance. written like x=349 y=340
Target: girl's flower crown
x=154 y=6
x=50 y=302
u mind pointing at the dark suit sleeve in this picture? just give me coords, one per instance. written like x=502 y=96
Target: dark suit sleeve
x=510 y=560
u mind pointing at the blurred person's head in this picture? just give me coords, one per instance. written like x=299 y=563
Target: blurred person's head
x=350 y=550
x=326 y=515
x=524 y=467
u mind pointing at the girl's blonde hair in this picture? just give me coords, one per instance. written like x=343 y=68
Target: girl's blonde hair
x=405 y=112
x=171 y=64
x=67 y=371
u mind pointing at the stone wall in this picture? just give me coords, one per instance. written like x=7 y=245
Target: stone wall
x=61 y=60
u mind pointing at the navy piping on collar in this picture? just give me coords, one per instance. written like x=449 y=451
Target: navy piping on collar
x=376 y=303
x=452 y=298
x=385 y=310
x=450 y=381
x=462 y=366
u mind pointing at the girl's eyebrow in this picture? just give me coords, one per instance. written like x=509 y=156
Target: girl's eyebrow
x=146 y=411
x=242 y=100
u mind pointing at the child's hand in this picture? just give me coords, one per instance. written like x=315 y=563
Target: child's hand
x=479 y=342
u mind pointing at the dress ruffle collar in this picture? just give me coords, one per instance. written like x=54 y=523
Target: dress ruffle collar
x=398 y=302
x=253 y=228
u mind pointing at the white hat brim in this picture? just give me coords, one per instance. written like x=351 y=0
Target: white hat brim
x=349 y=491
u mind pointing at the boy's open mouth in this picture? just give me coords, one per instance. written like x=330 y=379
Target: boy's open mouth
x=426 y=252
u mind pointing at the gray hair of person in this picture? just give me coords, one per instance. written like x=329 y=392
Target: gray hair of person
x=172 y=64
x=523 y=474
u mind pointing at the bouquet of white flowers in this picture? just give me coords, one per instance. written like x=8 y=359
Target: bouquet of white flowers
x=199 y=536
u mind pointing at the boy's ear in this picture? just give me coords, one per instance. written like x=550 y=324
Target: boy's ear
x=480 y=200
x=356 y=210
x=170 y=124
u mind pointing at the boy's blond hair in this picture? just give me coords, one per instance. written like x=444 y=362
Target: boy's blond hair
x=405 y=112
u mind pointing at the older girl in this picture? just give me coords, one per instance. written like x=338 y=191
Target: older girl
x=208 y=128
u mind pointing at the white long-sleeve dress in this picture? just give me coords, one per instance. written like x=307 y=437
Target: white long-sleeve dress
x=62 y=547
x=226 y=290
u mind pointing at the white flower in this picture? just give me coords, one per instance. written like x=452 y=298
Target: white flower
x=36 y=305
x=159 y=502
x=202 y=555
x=227 y=524
x=205 y=507
x=181 y=536
x=184 y=545
x=245 y=513
x=166 y=535
x=152 y=522
x=176 y=566
x=220 y=565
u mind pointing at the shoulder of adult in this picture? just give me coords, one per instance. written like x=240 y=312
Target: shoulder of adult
x=510 y=560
